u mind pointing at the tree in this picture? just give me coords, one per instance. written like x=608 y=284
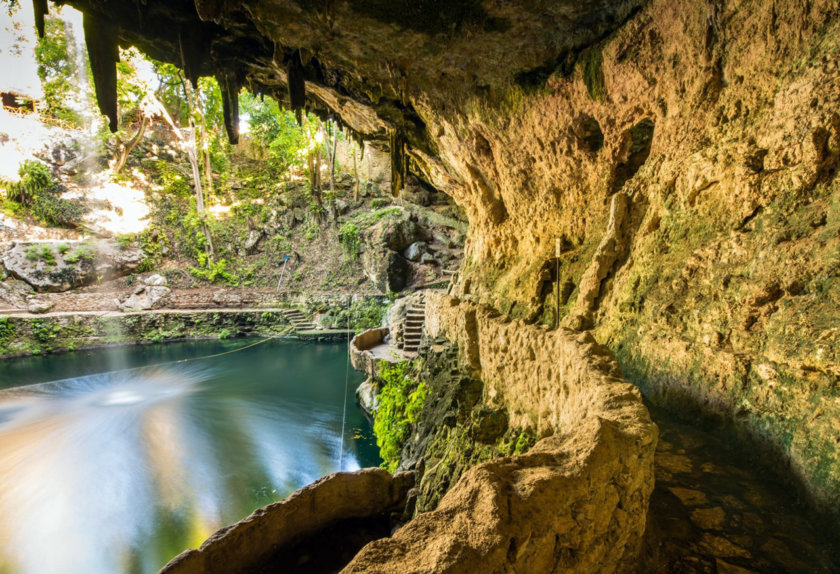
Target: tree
x=56 y=57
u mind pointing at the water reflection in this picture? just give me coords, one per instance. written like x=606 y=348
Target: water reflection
x=118 y=472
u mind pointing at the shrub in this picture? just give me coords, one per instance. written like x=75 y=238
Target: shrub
x=214 y=272
x=46 y=253
x=80 y=254
x=40 y=192
x=31 y=253
x=35 y=178
x=348 y=236
x=400 y=402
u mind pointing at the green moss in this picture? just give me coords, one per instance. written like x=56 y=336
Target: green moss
x=400 y=401
x=592 y=62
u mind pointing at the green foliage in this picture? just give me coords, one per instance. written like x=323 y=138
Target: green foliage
x=31 y=253
x=39 y=192
x=56 y=211
x=277 y=130
x=63 y=248
x=46 y=254
x=154 y=243
x=83 y=253
x=7 y=330
x=348 y=236
x=56 y=57
x=379 y=203
x=35 y=178
x=368 y=313
x=400 y=402
x=214 y=272
x=365 y=220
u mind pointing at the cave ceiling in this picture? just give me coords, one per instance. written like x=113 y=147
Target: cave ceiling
x=378 y=67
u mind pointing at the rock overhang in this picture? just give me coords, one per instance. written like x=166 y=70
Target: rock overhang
x=383 y=69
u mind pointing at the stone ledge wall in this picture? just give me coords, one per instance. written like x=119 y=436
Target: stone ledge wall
x=361 y=357
x=313 y=514
x=577 y=502
x=22 y=335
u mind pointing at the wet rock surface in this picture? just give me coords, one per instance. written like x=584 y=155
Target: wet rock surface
x=716 y=508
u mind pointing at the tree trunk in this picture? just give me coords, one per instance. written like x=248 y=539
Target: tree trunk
x=125 y=149
x=356 y=174
x=331 y=150
x=193 y=150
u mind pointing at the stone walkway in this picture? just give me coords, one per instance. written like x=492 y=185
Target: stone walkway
x=717 y=510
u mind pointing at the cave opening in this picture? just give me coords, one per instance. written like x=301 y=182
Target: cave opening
x=636 y=144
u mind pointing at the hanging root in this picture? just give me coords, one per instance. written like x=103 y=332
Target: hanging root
x=104 y=54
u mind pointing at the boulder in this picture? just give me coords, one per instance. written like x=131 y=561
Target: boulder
x=47 y=268
x=254 y=238
x=396 y=232
x=368 y=396
x=38 y=305
x=341 y=206
x=416 y=250
x=386 y=269
x=147 y=297
x=428 y=259
x=155 y=280
x=13 y=293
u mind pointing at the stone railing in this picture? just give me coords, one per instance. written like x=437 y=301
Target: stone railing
x=360 y=355
x=577 y=501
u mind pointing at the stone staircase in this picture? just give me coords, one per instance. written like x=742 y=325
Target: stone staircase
x=415 y=318
x=299 y=321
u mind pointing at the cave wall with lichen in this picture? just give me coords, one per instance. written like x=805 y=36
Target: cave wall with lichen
x=684 y=152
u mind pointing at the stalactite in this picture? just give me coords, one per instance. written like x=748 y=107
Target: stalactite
x=297 y=85
x=230 y=85
x=104 y=54
x=398 y=162
x=192 y=52
x=41 y=10
x=210 y=10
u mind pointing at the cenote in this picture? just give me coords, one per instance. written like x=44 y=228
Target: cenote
x=117 y=460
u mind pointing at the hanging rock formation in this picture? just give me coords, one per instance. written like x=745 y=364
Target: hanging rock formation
x=103 y=54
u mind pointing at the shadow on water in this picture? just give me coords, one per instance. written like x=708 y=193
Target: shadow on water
x=718 y=507
x=119 y=470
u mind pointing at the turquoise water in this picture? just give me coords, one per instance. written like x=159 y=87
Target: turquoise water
x=117 y=460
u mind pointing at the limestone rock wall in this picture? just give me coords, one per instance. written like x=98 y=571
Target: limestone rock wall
x=317 y=519
x=577 y=501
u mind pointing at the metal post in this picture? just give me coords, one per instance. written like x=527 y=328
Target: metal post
x=558 y=245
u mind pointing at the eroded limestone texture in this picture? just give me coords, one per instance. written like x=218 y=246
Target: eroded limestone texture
x=577 y=501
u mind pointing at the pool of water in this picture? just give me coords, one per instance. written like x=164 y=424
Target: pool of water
x=117 y=460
